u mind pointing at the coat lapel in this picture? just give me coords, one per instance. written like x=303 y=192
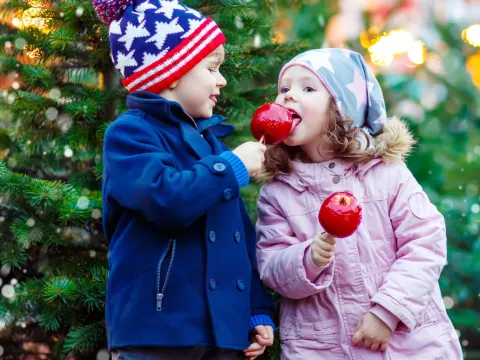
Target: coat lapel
x=195 y=142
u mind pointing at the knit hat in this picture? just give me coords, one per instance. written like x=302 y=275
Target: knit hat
x=350 y=82
x=155 y=42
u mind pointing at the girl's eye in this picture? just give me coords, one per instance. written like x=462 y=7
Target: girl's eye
x=284 y=90
x=309 y=89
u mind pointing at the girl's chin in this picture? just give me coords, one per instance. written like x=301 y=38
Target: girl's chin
x=292 y=141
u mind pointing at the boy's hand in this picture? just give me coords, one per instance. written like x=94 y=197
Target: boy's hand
x=263 y=338
x=252 y=155
x=374 y=333
x=323 y=247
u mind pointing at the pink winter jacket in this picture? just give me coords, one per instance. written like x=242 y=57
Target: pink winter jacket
x=390 y=266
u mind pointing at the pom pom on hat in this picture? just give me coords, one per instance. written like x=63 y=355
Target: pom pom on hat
x=110 y=10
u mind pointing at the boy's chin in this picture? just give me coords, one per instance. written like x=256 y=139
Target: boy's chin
x=206 y=114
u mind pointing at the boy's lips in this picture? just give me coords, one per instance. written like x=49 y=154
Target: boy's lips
x=213 y=98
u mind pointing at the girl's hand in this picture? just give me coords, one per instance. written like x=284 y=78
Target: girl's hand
x=263 y=338
x=323 y=247
x=254 y=350
x=374 y=333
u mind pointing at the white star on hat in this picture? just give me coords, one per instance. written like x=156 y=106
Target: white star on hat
x=132 y=33
x=125 y=60
x=319 y=60
x=149 y=59
x=168 y=7
x=163 y=30
x=115 y=28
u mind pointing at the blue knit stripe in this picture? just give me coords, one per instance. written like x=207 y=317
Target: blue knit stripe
x=256 y=320
x=241 y=172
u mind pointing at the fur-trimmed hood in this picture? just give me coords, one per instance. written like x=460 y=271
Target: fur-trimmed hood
x=395 y=142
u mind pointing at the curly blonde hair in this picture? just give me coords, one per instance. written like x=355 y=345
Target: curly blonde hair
x=342 y=139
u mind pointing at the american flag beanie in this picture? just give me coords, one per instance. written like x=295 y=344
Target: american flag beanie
x=155 y=42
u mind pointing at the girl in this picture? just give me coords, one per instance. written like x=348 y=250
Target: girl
x=373 y=295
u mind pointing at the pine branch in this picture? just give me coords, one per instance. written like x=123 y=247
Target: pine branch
x=85 y=338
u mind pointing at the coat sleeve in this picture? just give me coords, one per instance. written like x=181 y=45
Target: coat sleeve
x=261 y=303
x=141 y=175
x=421 y=250
x=285 y=263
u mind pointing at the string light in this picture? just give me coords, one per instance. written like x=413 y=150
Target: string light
x=385 y=47
x=471 y=35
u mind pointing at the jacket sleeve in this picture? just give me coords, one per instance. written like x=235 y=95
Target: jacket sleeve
x=421 y=250
x=141 y=175
x=261 y=303
x=285 y=263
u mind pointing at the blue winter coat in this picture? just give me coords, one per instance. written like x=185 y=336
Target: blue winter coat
x=181 y=244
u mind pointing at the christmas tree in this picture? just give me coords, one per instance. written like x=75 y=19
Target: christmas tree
x=60 y=93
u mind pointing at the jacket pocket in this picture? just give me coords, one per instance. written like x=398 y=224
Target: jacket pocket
x=325 y=332
x=159 y=287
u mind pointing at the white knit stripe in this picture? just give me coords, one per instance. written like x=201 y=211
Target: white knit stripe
x=174 y=58
x=183 y=62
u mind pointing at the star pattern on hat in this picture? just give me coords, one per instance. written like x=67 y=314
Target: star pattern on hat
x=145 y=6
x=360 y=87
x=164 y=29
x=125 y=60
x=140 y=10
x=194 y=24
x=151 y=58
x=132 y=32
x=168 y=7
x=321 y=60
x=115 y=28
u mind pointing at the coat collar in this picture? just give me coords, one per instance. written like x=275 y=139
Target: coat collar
x=191 y=129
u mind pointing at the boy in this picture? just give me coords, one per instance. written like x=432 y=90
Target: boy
x=183 y=282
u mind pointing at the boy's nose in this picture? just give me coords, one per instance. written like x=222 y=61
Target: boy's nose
x=221 y=82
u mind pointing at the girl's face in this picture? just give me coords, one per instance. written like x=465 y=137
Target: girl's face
x=303 y=93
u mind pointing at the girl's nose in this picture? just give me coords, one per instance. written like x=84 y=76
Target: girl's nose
x=289 y=96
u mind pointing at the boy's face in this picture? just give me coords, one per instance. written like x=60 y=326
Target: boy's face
x=197 y=91
x=304 y=94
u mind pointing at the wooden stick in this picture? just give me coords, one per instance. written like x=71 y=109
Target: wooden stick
x=262 y=140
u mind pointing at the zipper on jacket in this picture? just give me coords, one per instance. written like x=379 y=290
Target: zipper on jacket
x=161 y=291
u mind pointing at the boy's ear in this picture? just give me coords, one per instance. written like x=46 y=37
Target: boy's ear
x=174 y=85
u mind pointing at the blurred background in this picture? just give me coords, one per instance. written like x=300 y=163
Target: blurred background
x=59 y=92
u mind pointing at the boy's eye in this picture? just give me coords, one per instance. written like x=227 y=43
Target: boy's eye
x=212 y=70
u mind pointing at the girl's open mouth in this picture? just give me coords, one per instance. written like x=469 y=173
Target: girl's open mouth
x=297 y=119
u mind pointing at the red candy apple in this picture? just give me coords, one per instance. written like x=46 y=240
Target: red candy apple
x=340 y=214
x=272 y=121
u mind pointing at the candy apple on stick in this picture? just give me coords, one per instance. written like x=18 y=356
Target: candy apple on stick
x=272 y=123
x=340 y=214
